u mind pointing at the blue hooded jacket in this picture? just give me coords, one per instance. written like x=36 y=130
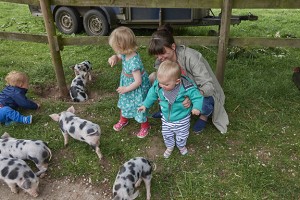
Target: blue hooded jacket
x=15 y=97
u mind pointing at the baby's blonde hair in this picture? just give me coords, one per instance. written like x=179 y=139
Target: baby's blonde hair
x=123 y=40
x=169 y=69
x=17 y=79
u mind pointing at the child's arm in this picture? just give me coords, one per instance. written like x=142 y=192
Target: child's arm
x=196 y=98
x=142 y=109
x=137 y=82
x=195 y=112
x=152 y=97
x=114 y=59
x=23 y=102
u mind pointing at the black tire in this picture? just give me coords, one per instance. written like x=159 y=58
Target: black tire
x=68 y=20
x=95 y=23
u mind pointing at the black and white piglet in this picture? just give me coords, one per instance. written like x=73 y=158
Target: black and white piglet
x=34 y=150
x=85 y=66
x=130 y=176
x=15 y=172
x=79 y=129
x=78 y=88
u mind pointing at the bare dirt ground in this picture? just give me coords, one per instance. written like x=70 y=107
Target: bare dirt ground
x=57 y=190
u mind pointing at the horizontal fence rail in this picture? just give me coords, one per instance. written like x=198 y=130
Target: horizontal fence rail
x=144 y=40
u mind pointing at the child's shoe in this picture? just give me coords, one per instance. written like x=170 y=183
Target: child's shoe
x=143 y=132
x=118 y=126
x=183 y=151
x=168 y=152
x=27 y=119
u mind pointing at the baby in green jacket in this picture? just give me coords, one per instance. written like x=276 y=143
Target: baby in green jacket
x=171 y=88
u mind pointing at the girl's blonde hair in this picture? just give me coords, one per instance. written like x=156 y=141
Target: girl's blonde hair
x=17 y=79
x=169 y=69
x=123 y=40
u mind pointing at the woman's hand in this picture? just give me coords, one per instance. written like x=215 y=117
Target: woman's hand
x=187 y=102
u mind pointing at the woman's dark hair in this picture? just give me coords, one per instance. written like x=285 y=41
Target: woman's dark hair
x=166 y=27
x=160 y=39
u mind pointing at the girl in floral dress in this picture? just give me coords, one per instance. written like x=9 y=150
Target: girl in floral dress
x=134 y=81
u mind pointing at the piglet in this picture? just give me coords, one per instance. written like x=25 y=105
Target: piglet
x=130 y=176
x=34 y=150
x=79 y=129
x=15 y=172
x=78 y=88
x=85 y=66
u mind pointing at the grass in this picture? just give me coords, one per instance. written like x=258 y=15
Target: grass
x=257 y=159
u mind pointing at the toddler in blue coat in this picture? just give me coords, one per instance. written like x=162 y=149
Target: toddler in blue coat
x=13 y=96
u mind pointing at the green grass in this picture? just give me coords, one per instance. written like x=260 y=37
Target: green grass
x=257 y=159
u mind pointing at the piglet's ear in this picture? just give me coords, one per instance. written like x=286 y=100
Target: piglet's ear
x=72 y=67
x=55 y=117
x=5 y=135
x=71 y=109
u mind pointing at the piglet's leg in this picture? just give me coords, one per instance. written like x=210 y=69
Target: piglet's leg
x=66 y=138
x=148 y=184
x=135 y=195
x=13 y=187
x=42 y=169
x=98 y=152
x=138 y=183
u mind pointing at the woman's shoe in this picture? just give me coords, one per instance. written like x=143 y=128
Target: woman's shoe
x=157 y=115
x=199 y=126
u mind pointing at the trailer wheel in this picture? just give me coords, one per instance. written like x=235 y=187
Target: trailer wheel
x=95 y=23
x=68 y=20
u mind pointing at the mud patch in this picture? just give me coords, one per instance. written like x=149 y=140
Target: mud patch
x=65 y=189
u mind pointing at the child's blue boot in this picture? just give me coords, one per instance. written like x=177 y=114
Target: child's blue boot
x=27 y=119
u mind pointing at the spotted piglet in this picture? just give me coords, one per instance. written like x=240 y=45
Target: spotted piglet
x=84 y=66
x=78 y=85
x=15 y=172
x=79 y=129
x=130 y=176
x=78 y=88
x=34 y=150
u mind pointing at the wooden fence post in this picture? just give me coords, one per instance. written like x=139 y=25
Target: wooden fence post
x=223 y=40
x=53 y=42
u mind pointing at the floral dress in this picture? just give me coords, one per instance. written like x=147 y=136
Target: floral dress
x=129 y=102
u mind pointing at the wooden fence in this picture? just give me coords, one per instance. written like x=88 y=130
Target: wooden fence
x=56 y=43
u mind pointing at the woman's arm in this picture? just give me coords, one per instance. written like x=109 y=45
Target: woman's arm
x=199 y=70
